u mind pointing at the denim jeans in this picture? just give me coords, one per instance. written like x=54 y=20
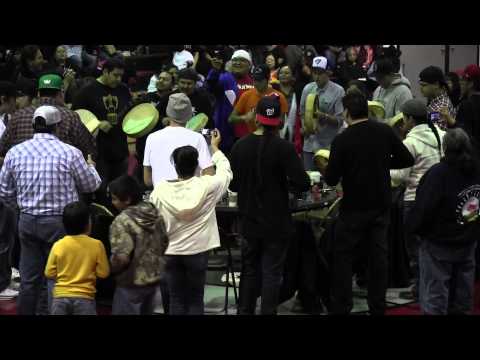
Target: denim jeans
x=37 y=235
x=412 y=243
x=351 y=229
x=73 y=306
x=447 y=277
x=134 y=301
x=186 y=276
x=308 y=161
x=263 y=262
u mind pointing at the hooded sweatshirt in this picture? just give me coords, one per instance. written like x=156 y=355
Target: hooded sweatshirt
x=139 y=232
x=446 y=211
x=395 y=96
x=188 y=208
x=423 y=145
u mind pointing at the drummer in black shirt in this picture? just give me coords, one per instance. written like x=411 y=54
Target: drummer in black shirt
x=264 y=167
x=361 y=157
x=200 y=99
x=107 y=98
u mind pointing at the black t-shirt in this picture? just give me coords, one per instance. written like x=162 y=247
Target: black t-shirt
x=107 y=104
x=265 y=211
x=201 y=103
x=361 y=157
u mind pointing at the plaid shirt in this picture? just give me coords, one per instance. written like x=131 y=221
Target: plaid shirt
x=439 y=102
x=70 y=130
x=45 y=174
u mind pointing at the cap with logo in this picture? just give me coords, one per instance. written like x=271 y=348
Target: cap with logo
x=50 y=81
x=242 y=54
x=268 y=110
x=261 y=72
x=320 y=63
x=471 y=71
x=50 y=114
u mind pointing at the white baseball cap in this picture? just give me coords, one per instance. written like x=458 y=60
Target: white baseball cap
x=242 y=54
x=320 y=62
x=182 y=58
x=49 y=113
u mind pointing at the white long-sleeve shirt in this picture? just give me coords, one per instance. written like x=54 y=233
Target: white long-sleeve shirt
x=188 y=208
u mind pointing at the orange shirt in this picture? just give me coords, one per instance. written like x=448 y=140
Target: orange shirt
x=249 y=101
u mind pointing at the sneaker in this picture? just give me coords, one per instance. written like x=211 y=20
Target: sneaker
x=15 y=275
x=237 y=278
x=8 y=294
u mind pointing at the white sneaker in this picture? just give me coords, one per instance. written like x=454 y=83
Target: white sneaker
x=237 y=278
x=15 y=274
x=8 y=294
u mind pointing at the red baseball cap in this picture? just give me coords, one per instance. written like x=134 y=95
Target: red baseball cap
x=471 y=71
x=268 y=111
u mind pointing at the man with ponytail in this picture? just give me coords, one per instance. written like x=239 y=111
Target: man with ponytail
x=424 y=141
x=265 y=167
x=446 y=216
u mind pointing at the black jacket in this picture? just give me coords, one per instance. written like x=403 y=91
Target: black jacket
x=361 y=157
x=446 y=208
x=264 y=208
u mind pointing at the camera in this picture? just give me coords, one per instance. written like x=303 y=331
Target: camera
x=434 y=116
x=207 y=132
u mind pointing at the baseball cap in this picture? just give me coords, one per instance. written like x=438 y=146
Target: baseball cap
x=471 y=71
x=218 y=52
x=268 y=110
x=431 y=75
x=50 y=114
x=383 y=66
x=182 y=59
x=320 y=63
x=415 y=108
x=179 y=108
x=50 y=81
x=242 y=54
x=261 y=72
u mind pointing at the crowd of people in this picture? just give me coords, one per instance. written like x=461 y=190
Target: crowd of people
x=275 y=113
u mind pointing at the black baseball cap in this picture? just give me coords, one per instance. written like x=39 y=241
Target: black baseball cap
x=382 y=67
x=431 y=75
x=261 y=72
x=268 y=110
x=218 y=52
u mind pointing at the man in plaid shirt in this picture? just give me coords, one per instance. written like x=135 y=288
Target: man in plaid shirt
x=70 y=130
x=433 y=86
x=42 y=175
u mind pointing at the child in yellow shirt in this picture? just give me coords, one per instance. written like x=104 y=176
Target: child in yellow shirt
x=75 y=262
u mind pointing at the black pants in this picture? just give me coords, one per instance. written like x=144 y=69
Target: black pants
x=351 y=229
x=109 y=171
x=186 y=276
x=263 y=262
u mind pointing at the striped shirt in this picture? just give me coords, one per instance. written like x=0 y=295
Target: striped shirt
x=437 y=104
x=70 y=130
x=44 y=175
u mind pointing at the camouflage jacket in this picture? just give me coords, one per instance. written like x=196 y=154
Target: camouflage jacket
x=139 y=232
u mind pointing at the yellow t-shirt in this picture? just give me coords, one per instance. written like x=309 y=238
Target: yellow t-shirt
x=76 y=262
